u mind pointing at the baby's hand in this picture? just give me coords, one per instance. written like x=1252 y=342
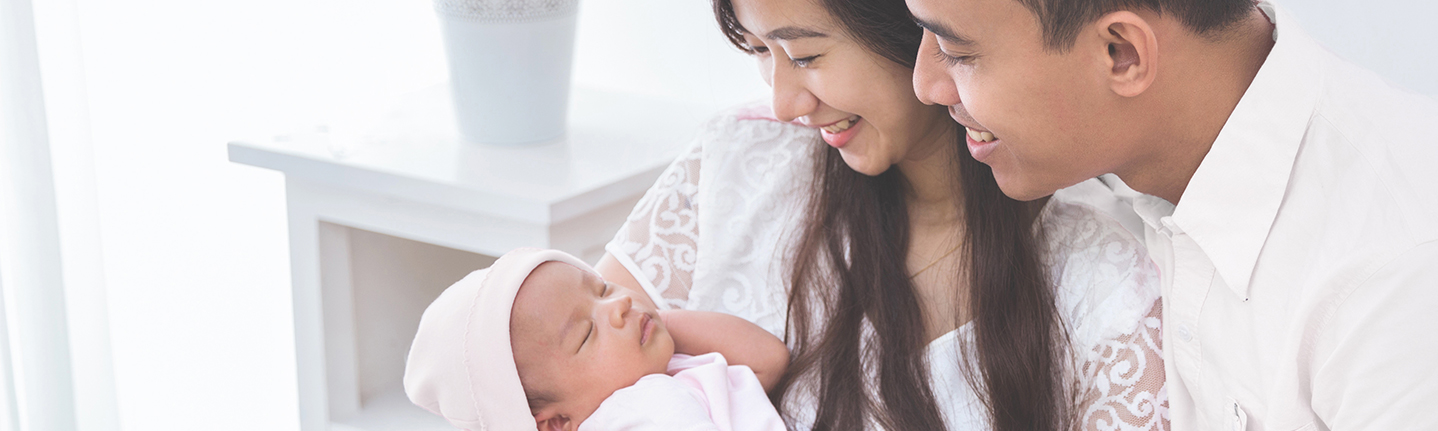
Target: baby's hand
x=740 y=341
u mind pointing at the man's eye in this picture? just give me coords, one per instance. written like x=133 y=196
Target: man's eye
x=952 y=60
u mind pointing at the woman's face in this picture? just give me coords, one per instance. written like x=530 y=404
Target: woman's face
x=863 y=104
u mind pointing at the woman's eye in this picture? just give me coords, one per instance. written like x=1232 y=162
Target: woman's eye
x=803 y=61
x=755 y=48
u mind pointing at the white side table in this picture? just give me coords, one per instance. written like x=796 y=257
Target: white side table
x=411 y=177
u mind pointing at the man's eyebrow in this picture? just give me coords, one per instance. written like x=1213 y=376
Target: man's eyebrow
x=791 y=33
x=943 y=32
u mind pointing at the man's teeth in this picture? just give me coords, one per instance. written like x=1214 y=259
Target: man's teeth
x=980 y=136
x=842 y=125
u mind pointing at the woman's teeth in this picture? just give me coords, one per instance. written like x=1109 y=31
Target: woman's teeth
x=842 y=125
x=980 y=136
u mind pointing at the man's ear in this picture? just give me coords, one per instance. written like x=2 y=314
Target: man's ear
x=1132 y=52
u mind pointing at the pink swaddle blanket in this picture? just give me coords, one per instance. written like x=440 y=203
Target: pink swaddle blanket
x=699 y=393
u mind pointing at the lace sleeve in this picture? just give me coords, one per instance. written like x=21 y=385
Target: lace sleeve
x=659 y=241
x=1124 y=380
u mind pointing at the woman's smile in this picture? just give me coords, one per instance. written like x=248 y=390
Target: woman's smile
x=840 y=132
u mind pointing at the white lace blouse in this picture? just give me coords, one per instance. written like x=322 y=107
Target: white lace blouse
x=751 y=175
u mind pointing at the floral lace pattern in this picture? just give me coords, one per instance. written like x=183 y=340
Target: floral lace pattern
x=1124 y=380
x=751 y=177
x=659 y=242
x=1108 y=292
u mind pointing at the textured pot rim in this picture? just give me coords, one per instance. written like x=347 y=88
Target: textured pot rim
x=485 y=12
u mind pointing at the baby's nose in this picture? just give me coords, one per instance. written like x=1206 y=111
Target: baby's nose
x=622 y=305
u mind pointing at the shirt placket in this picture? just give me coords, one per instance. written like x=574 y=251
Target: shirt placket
x=1192 y=278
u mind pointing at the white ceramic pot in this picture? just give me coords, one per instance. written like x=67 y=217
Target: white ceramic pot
x=509 y=63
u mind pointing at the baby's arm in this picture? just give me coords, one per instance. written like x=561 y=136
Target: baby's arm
x=740 y=341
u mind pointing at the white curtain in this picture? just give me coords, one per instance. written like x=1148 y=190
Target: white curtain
x=55 y=371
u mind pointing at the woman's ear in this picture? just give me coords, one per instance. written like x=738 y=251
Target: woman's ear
x=1132 y=52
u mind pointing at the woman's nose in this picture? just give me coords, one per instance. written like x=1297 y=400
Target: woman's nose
x=791 y=99
x=619 y=310
x=932 y=84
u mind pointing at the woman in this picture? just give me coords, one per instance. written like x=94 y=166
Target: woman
x=913 y=294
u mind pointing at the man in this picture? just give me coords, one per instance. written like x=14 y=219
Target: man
x=1291 y=199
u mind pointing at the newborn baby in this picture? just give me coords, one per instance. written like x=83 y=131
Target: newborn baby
x=539 y=342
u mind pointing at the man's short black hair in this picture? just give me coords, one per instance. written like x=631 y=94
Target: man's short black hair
x=1061 y=20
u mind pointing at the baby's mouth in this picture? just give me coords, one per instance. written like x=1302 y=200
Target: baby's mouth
x=646 y=328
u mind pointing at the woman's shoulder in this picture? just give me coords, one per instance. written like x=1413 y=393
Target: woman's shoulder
x=1104 y=279
x=749 y=142
x=752 y=188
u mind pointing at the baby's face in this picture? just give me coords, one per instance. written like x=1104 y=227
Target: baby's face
x=577 y=339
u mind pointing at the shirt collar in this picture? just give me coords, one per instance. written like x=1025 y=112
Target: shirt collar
x=1232 y=199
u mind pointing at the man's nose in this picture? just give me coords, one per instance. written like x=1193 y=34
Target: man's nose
x=932 y=83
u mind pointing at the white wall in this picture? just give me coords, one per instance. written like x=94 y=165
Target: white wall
x=1396 y=38
x=194 y=249
x=667 y=48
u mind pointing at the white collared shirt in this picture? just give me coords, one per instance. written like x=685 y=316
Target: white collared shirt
x=1300 y=267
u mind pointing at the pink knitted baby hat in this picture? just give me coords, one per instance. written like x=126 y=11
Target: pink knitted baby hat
x=461 y=366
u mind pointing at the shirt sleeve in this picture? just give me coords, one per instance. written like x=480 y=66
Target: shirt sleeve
x=1376 y=360
x=659 y=241
x=1124 y=380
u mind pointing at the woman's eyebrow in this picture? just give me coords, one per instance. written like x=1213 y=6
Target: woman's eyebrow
x=791 y=33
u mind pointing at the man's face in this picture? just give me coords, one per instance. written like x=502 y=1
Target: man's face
x=1040 y=119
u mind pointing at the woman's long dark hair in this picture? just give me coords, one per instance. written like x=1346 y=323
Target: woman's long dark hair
x=850 y=265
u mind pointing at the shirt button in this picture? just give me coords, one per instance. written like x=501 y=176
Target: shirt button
x=1169 y=227
x=1184 y=334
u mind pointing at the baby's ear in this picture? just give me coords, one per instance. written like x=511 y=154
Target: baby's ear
x=551 y=422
